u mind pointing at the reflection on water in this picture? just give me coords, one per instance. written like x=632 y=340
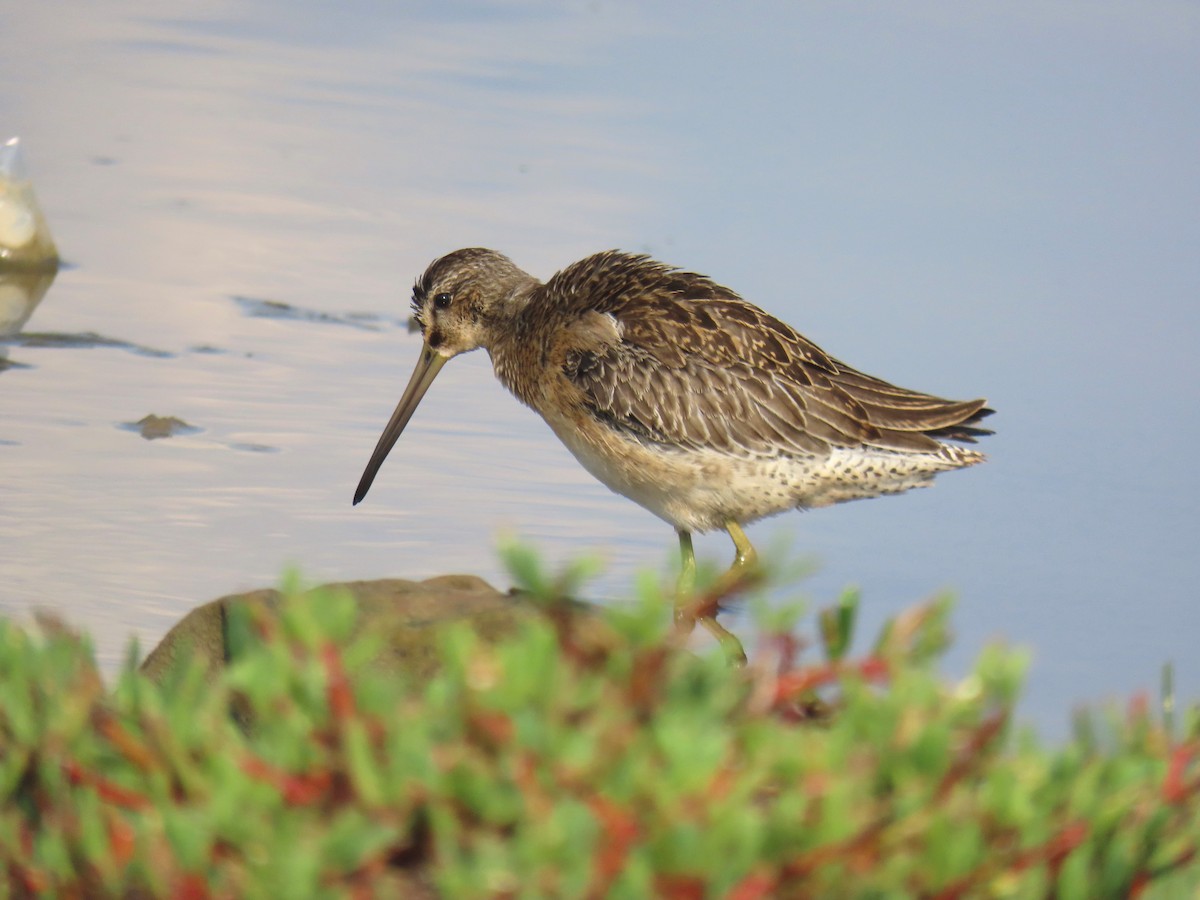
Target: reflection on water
x=20 y=292
x=83 y=341
x=277 y=309
x=247 y=190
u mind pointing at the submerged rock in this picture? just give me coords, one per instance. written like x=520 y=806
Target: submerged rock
x=154 y=426
x=21 y=290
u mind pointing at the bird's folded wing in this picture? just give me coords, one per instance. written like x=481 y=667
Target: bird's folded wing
x=713 y=372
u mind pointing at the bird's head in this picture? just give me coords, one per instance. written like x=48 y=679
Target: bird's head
x=459 y=301
x=463 y=296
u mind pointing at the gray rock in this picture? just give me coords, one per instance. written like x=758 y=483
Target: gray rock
x=408 y=613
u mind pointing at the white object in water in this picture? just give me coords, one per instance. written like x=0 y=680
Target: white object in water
x=24 y=237
x=17 y=227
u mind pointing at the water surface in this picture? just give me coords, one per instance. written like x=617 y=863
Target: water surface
x=998 y=200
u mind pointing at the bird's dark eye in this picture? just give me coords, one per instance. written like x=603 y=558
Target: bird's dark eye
x=441 y=301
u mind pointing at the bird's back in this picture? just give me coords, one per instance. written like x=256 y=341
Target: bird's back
x=693 y=365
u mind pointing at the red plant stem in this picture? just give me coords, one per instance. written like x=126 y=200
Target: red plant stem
x=792 y=685
x=134 y=750
x=122 y=840
x=339 y=693
x=618 y=832
x=708 y=604
x=191 y=887
x=814 y=859
x=755 y=886
x=107 y=790
x=1142 y=880
x=1053 y=852
x=969 y=757
x=1175 y=787
x=297 y=790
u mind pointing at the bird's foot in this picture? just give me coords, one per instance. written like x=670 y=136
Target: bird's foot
x=730 y=643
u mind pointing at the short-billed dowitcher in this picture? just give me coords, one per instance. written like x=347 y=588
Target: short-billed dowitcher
x=677 y=393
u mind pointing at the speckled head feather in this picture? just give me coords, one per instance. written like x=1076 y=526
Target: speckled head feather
x=450 y=272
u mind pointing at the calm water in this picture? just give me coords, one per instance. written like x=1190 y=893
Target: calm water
x=999 y=201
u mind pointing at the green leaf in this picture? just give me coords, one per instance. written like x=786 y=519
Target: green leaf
x=837 y=625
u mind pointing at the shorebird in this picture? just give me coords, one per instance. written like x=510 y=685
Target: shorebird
x=675 y=392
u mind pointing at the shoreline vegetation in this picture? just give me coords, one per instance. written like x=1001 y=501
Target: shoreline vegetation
x=441 y=738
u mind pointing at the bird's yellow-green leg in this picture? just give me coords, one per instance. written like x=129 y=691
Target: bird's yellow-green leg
x=685 y=588
x=745 y=557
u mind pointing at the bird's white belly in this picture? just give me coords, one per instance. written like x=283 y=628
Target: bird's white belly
x=702 y=490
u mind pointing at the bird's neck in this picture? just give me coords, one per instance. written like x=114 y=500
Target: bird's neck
x=518 y=347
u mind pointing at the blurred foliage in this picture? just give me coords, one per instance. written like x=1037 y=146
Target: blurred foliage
x=573 y=761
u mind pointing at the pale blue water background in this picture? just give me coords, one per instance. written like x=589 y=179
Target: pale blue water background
x=998 y=199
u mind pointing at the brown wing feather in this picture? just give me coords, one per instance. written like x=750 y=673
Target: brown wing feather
x=698 y=367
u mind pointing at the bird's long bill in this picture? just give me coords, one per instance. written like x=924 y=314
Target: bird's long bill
x=427 y=368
